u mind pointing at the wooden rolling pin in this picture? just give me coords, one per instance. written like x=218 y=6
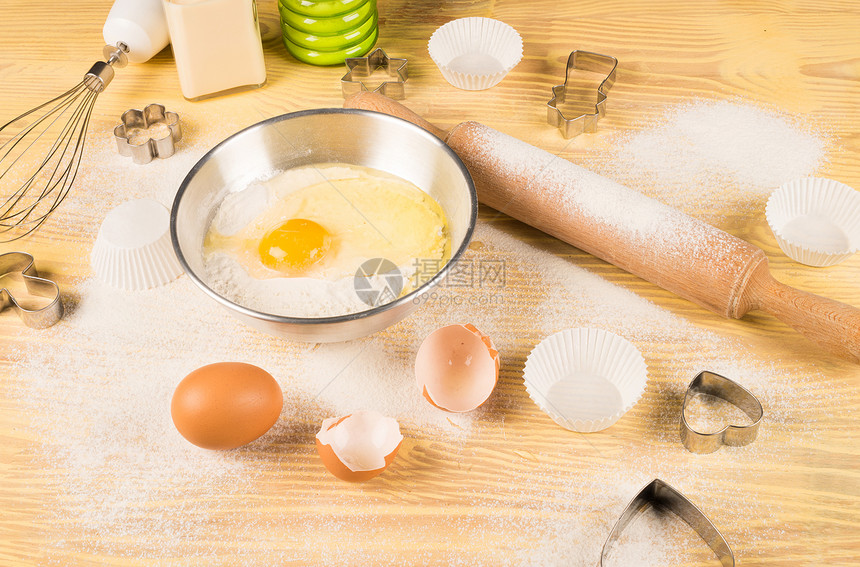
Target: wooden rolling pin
x=636 y=233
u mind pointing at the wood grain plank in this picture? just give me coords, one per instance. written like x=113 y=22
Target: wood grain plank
x=494 y=494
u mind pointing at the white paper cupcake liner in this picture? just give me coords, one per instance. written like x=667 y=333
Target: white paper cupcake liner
x=475 y=53
x=133 y=249
x=816 y=221
x=585 y=379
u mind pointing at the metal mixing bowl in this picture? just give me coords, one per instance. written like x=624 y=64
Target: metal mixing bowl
x=355 y=137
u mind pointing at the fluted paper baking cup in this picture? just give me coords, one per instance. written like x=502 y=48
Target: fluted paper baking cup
x=816 y=221
x=585 y=379
x=475 y=53
x=133 y=249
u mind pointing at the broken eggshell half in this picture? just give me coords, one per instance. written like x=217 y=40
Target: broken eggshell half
x=358 y=446
x=457 y=368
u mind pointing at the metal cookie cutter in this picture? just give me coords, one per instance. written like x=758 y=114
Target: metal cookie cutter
x=659 y=495
x=363 y=67
x=19 y=266
x=585 y=61
x=731 y=435
x=147 y=134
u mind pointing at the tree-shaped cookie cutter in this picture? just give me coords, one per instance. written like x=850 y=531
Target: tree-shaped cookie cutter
x=662 y=497
x=712 y=384
x=21 y=266
x=135 y=137
x=584 y=61
x=362 y=68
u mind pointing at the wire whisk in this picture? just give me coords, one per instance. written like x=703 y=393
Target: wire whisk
x=34 y=180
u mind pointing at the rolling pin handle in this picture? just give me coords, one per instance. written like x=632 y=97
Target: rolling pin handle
x=835 y=326
x=380 y=103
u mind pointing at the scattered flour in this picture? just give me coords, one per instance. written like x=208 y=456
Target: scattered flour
x=109 y=427
x=293 y=297
x=578 y=194
x=702 y=154
x=100 y=407
x=615 y=223
x=708 y=414
x=239 y=208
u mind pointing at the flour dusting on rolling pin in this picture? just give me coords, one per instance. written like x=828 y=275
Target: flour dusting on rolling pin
x=611 y=221
x=636 y=233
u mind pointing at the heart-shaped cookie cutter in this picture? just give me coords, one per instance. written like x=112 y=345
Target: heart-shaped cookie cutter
x=21 y=266
x=659 y=495
x=721 y=387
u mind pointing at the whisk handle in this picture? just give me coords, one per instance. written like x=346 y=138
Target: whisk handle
x=140 y=25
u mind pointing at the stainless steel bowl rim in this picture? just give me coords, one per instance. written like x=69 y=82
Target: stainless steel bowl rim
x=411 y=296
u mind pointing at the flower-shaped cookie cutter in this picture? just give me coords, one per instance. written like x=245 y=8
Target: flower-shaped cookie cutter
x=20 y=266
x=587 y=122
x=148 y=134
x=362 y=68
x=721 y=387
x=662 y=497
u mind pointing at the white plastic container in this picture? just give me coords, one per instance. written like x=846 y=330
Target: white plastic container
x=216 y=44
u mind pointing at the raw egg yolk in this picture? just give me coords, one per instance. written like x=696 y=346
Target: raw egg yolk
x=294 y=245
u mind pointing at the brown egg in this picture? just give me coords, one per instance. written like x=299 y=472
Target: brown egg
x=226 y=405
x=359 y=446
x=457 y=368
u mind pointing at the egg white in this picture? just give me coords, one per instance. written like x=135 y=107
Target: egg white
x=368 y=213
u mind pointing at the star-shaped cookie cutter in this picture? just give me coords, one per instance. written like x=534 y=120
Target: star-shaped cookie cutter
x=21 y=267
x=135 y=138
x=585 y=61
x=362 y=68
x=731 y=435
x=662 y=497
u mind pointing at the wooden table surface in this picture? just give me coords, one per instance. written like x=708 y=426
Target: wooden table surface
x=506 y=485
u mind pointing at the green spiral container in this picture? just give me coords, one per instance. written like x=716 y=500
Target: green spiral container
x=327 y=32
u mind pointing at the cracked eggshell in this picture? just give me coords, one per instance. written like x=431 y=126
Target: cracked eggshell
x=358 y=446
x=457 y=368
